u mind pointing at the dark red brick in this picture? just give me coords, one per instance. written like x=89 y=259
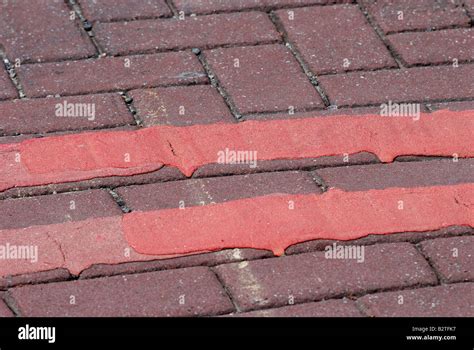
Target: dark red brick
x=44 y=210
x=209 y=6
x=413 y=84
x=111 y=73
x=469 y=6
x=207 y=259
x=215 y=190
x=453 y=257
x=399 y=174
x=456 y=300
x=41 y=30
x=39 y=115
x=434 y=47
x=5 y=310
x=200 y=31
x=6 y=87
x=328 y=308
x=320 y=35
x=310 y=277
x=268 y=78
x=417 y=14
x=453 y=106
x=114 y=10
x=412 y=237
x=181 y=105
x=54 y=275
x=312 y=114
x=148 y=294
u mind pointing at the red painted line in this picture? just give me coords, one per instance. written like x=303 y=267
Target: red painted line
x=268 y=223
x=120 y=153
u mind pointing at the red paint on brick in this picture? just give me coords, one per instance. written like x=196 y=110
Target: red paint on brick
x=89 y=155
x=108 y=10
x=268 y=223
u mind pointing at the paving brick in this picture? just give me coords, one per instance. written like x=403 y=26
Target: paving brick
x=181 y=105
x=451 y=257
x=148 y=294
x=453 y=106
x=329 y=308
x=412 y=237
x=469 y=6
x=54 y=275
x=399 y=174
x=41 y=115
x=6 y=87
x=434 y=47
x=64 y=207
x=210 y=6
x=412 y=84
x=215 y=190
x=326 y=47
x=200 y=31
x=309 y=277
x=49 y=34
x=268 y=78
x=115 y=10
x=4 y=310
x=111 y=73
x=207 y=259
x=455 y=300
x=416 y=14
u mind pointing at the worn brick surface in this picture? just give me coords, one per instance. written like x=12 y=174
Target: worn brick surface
x=434 y=47
x=44 y=210
x=6 y=87
x=215 y=190
x=39 y=115
x=4 y=310
x=413 y=84
x=209 y=6
x=399 y=174
x=455 y=300
x=329 y=308
x=181 y=105
x=206 y=259
x=201 y=31
x=267 y=78
x=453 y=106
x=453 y=258
x=54 y=275
x=416 y=14
x=326 y=47
x=306 y=277
x=111 y=73
x=126 y=295
x=49 y=34
x=108 y=10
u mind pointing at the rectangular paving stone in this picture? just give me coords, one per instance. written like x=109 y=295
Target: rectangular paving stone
x=181 y=105
x=451 y=45
x=57 y=208
x=453 y=258
x=309 y=277
x=117 y=10
x=412 y=84
x=200 y=31
x=263 y=78
x=319 y=33
x=46 y=114
x=399 y=174
x=215 y=190
x=329 y=308
x=111 y=73
x=6 y=87
x=184 y=292
x=400 y=15
x=41 y=30
x=455 y=300
x=47 y=276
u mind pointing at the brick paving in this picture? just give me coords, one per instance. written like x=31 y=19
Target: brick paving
x=172 y=82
